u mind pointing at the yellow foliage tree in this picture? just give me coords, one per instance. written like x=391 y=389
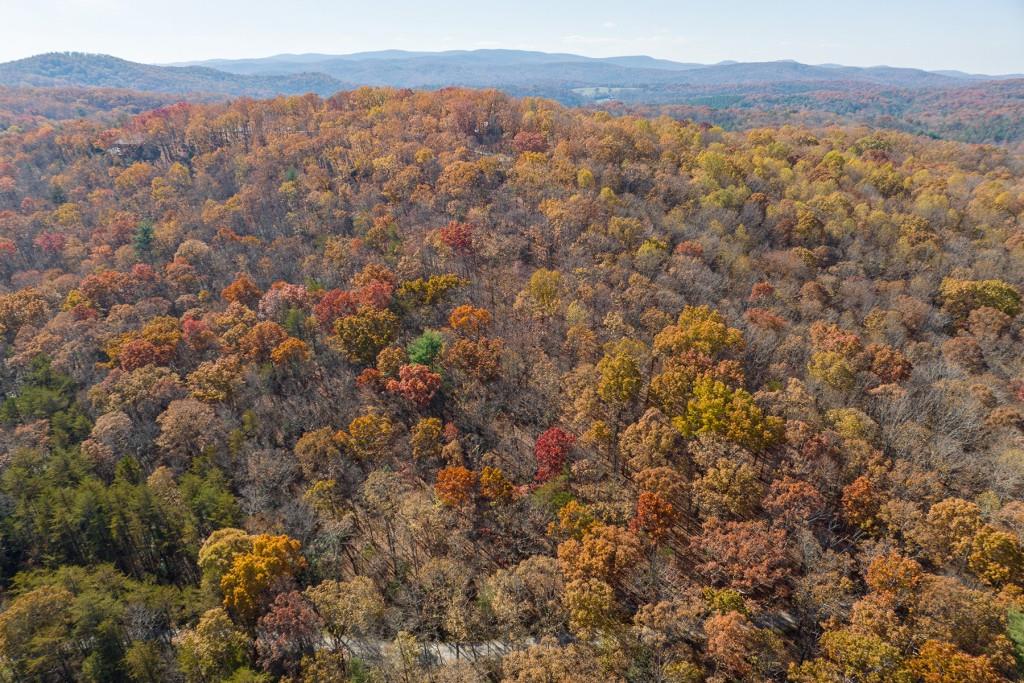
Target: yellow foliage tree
x=701 y=329
x=591 y=607
x=716 y=408
x=369 y=437
x=248 y=586
x=621 y=376
x=996 y=557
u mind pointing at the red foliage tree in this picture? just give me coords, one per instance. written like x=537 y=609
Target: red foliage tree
x=144 y=274
x=761 y=290
x=861 y=502
x=832 y=338
x=551 y=451
x=888 y=363
x=139 y=353
x=747 y=556
x=334 y=304
x=690 y=248
x=107 y=288
x=654 y=516
x=416 y=383
x=792 y=500
x=376 y=294
x=730 y=643
x=765 y=319
x=243 y=290
x=457 y=236
x=287 y=632
x=197 y=334
x=50 y=242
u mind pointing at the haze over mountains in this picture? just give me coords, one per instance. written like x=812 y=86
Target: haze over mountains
x=66 y=69
x=947 y=104
x=518 y=67
x=563 y=76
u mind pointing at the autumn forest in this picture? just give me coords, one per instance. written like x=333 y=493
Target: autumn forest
x=401 y=386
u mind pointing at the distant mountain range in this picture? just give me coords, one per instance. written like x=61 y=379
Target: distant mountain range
x=518 y=68
x=478 y=67
x=566 y=77
x=946 y=104
x=72 y=69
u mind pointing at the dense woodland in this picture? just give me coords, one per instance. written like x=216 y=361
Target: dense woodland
x=990 y=112
x=735 y=96
x=449 y=386
x=25 y=108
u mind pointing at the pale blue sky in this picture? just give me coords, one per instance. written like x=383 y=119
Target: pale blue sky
x=974 y=35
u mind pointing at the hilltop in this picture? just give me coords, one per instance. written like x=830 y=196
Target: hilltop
x=953 y=105
x=64 y=69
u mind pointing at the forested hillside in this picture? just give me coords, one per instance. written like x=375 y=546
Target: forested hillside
x=986 y=112
x=76 y=69
x=25 y=108
x=450 y=386
x=736 y=96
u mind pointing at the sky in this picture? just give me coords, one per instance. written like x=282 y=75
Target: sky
x=982 y=36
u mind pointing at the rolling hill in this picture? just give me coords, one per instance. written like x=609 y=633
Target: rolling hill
x=71 y=69
x=554 y=75
x=523 y=68
x=955 y=105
